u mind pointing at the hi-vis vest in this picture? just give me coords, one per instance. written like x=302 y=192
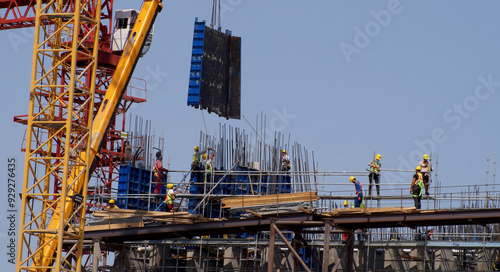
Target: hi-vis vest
x=208 y=167
x=419 y=182
x=170 y=198
x=375 y=169
x=425 y=166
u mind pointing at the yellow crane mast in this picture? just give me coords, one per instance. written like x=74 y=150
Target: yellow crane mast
x=52 y=219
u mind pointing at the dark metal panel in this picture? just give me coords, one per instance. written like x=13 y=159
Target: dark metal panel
x=215 y=81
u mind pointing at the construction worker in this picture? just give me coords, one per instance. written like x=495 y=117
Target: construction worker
x=345 y=235
x=127 y=149
x=417 y=187
x=208 y=163
x=169 y=199
x=158 y=172
x=196 y=164
x=374 y=174
x=496 y=265
x=426 y=172
x=111 y=205
x=197 y=154
x=358 y=201
x=285 y=161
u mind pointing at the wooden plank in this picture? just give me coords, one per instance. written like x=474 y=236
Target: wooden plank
x=368 y=211
x=254 y=213
x=174 y=220
x=269 y=199
x=114 y=226
x=306 y=210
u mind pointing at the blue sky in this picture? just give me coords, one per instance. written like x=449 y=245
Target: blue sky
x=352 y=77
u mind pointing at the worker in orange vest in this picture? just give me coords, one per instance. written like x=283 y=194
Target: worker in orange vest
x=169 y=199
x=358 y=201
x=417 y=186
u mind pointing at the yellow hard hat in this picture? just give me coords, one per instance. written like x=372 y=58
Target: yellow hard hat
x=352 y=178
x=418 y=168
x=196 y=148
x=346 y=203
x=204 y=156
x=426 y=157
x=111 y=201
x=379 y=157
x=283 y=151
x=170 y=186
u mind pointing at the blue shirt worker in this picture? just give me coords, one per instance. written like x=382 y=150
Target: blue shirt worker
x=358 y=201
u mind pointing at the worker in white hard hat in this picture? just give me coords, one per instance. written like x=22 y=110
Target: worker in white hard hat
x=374 y=174
x=426 y=172
x=169 y=199
x=285 y=161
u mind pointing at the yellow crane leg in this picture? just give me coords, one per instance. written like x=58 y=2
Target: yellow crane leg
x=100 y=125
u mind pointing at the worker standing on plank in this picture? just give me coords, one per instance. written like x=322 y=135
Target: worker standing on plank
x=196 y=164
x=285 y=161
x=208 y=163
x=426 y=172
x=417 y=186
x=169 y=199
x=111 y=205
x=374 y=174
x=158 y=171
x=358 y=201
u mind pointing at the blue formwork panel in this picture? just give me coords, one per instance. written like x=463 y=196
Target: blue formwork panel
x=306 y=256
x=134 y=181
x=196 y=64
x=192 y=203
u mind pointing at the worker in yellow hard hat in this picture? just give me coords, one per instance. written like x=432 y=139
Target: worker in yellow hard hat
x=169 y=199
x=285 y=161
x=358 y=200
x=426 y=172
x=374 y=174
x=196 y=164
x=345 y=235
x=417 y=186
x=111 y=205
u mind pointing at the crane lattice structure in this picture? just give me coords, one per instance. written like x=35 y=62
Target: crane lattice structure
x=60 y=115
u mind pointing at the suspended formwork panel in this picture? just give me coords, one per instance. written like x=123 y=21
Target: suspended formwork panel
x=215 y=77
